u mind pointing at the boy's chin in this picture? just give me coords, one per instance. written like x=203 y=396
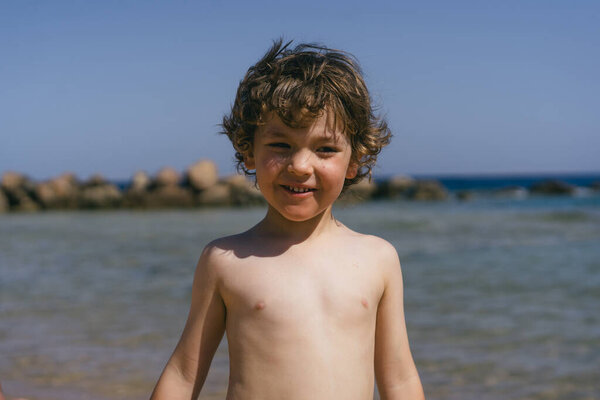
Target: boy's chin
x=299 y=215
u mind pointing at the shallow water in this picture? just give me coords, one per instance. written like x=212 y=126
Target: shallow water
x=502 y=296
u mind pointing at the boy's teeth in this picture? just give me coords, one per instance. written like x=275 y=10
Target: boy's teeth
x=298 y=190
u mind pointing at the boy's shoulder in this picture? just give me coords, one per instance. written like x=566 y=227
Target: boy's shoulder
x=379 y=254
x=225 y=247
x=375 y=247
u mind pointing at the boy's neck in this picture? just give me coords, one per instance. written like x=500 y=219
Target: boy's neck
x=276 y=225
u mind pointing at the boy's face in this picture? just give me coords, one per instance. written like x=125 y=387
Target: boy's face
x=300 y=171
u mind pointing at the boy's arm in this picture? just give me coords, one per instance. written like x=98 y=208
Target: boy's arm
x=395 y=371
x=187 y=368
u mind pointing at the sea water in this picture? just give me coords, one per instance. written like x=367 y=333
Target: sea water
x=502 y=296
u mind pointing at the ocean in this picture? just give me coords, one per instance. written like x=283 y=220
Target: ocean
x=491 y=182
x=502 y=295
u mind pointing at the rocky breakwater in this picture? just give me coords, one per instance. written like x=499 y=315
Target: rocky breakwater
x=552 y=187
x=405 y=187
x=199 y=185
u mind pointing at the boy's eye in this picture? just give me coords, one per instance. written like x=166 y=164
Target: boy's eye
x=279 y=145
x=327 y=149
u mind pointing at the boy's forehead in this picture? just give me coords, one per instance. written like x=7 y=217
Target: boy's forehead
x=325 y=125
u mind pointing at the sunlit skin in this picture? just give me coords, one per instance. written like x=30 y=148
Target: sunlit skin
x=311 y=309
x=300 y=172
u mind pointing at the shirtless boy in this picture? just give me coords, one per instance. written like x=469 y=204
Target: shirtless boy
x=311 y=309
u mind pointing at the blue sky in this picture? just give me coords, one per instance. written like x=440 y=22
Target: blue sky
x=467 y=87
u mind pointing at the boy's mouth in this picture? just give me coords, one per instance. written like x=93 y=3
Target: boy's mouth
x=295 y=189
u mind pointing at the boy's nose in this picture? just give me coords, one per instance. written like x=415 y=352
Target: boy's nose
x=300 y=163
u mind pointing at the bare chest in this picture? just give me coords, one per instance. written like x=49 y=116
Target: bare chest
x=292 y=291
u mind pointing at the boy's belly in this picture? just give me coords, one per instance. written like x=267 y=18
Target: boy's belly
x=308 y=352
x=301 y=367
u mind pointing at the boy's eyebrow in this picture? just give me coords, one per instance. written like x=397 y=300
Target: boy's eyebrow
x=273 y=132
x=328 y=137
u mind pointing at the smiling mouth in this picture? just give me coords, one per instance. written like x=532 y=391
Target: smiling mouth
x=294 y=189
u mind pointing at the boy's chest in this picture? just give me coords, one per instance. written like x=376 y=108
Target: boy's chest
x=293 y=290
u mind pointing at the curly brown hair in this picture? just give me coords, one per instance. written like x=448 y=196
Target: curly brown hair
x=300 y=84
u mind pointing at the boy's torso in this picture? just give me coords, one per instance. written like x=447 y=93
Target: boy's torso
x=301 y=324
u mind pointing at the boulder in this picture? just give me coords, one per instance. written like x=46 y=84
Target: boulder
x=167 y=176
x=169 y=196
x=95 y=180
x=140 y=182
x=427 y=190
x=3 y=202
x=19 y=191
x=396 y=186
x=216 y=195
x=515 y=192
x=65 y=185
x=21 y=200
x=137 y=193
x=45 y=195
x=243 y=191
x=552 y=187
x=59 y=192
x=201 y=175
x=465 y=195
x=12 y=180
x=135 y=199
x=361 y=191
x=100 y=196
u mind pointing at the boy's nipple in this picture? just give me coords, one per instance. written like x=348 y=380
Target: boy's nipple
x=259 y=306
x=364 y=302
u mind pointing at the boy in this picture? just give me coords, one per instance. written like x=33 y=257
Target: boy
x=308 y=305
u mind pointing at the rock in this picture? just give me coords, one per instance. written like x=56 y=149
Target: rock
x=19 y=191
x=201 y=175
x=140 y=182
x=243 y=191
x=13 y=180
x=216 y=195
x=46 y=195
x=465 y=195
x=427 y=190
x=3 y=202
x=515 y=192
x=137 y=193
x=595 y=185
x=169 y=196
x=65 y=185
x=398 y=185
x=135 y=199
x=95 y=180
x=361 y=191
x=167 y=177
x=100 y=196
x=59 y=192
x=21 y=200
x=97 y=192
x=552 y=187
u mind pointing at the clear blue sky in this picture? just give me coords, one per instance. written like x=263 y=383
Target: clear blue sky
x=468 y=87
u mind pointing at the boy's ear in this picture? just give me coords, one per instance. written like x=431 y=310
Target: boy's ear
x=352 y=170
x=249 y=161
